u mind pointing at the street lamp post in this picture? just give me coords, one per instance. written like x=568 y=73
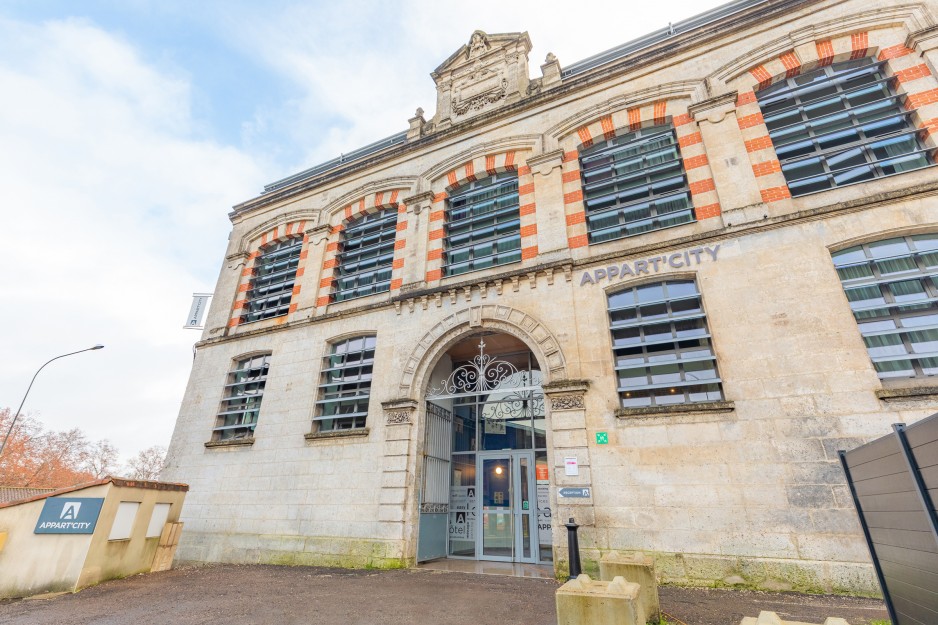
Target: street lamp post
x=16 y=416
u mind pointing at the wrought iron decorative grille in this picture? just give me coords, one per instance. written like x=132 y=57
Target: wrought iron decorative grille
x=483 y=374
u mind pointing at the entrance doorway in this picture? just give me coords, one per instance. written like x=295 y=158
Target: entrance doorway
x=505 y=487
x=486 y=485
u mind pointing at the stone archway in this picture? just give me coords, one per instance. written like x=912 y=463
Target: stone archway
x=542 y=343
x=404 y=417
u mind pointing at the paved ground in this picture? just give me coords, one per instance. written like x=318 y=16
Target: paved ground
x=287 y=595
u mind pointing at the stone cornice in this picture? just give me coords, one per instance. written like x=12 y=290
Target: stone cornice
x=908 y=393
x=232 y=442
x=337 y=434
x=559 y=387
x=663 y=411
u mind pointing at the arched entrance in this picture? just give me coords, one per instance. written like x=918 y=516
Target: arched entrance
x=485 y=491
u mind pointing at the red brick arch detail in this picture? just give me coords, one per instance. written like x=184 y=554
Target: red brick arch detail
x=827 y=51
x=365 y=205
x=480 y=167
x=275 y=235
x=607 y=126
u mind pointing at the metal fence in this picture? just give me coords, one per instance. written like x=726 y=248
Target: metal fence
x=894 y=483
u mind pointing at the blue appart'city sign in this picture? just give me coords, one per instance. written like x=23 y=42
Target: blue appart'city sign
x=69 y=515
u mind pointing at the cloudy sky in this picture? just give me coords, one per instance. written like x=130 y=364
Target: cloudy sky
x=128 y=128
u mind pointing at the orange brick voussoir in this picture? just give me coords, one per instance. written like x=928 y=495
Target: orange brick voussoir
x=774 y=194
x=573 y=197
x=702 y=186
x=578 y=241
x=748 y=121
x=528 y=252
x=916 y=100
x=766 y=168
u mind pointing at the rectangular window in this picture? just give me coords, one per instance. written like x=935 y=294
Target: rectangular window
x=158 y=519
x=123 y=525
x=365 y=256
x=242 y=402
x=892 y=287
x=345 y=384
x=483 y=225
x=661 y=345
x=839 y=125
x=271 y=287
x=635 y=183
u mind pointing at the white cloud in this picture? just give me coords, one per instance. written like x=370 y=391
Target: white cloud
x=361 y=68
x=113 y=212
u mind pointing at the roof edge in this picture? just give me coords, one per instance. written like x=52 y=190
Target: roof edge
x=117 y=481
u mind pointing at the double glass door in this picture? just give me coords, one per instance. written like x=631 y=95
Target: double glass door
x=507 y=507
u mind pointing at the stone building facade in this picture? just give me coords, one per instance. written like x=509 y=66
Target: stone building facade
x=655 y=291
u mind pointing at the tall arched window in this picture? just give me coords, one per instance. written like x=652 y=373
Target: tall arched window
x=345 y=384
x=892 y=287
x=661 y=345
x=839 y=125
x=635 y=183
x=365 y=255
x=483 y=225
x=271 y=287
x=241 y=405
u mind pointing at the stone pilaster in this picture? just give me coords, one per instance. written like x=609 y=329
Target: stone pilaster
x=397 y=494
x=567 y=408
x=315 y=247
x=415 y=248
x=547 y=174
x=735 y=182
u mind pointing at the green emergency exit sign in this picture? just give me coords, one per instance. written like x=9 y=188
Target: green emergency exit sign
x=602 y=438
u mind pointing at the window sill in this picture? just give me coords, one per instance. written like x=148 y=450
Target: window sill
x=234 y=442
x=908 y=393
x=704 y=407
x=320 y=436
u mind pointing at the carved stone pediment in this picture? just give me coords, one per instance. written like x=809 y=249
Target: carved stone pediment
x=488 y=72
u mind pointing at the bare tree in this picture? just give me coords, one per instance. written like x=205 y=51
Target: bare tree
x=101 y=459
x=147 y=464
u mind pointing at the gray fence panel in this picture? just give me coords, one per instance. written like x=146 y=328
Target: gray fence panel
x=923 y=433
x=899 y=527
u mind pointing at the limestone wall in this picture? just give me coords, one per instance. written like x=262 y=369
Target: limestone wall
x=745 y=492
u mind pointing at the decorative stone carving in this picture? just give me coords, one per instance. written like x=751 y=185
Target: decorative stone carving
x=399 y=411
x=567 y=402
x=478 y=44
x=567 y=394
x=398 y=418
x=477 y=102
x=487 y=72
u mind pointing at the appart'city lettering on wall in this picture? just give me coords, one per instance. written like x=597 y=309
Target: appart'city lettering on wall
x=649 y=266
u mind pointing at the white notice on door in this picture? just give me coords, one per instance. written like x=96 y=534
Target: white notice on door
x=543 y=508
x=571 y=466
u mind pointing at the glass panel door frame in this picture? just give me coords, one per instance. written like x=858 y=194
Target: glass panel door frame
x=519 y=517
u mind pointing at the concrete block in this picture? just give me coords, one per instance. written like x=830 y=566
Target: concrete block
x=638 y=569
x=771 y=618
x=582 y=601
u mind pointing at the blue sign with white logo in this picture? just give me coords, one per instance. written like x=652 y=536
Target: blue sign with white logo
x=69 y=515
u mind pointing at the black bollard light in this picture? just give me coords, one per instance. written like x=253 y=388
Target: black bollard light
x=573 y=548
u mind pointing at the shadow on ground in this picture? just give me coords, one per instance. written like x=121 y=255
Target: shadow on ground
x=286 y=595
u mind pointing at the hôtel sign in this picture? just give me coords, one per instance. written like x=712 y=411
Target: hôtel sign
x=651 y=265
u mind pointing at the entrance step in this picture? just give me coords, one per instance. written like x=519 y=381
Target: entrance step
x=482 y=567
